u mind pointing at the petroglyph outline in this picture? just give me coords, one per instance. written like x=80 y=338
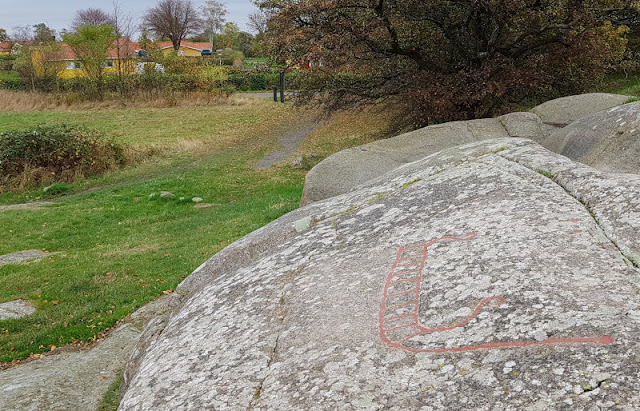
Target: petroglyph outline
x=408 y=268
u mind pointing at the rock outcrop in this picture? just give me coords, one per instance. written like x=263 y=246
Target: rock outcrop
x=495 y=275
x=76 y=379
x=608 y=140
x=565 y=110
x=347 y=169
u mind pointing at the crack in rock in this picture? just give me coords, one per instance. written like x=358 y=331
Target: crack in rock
x=555 y=179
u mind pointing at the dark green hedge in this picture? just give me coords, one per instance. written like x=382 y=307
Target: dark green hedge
x=57 y=152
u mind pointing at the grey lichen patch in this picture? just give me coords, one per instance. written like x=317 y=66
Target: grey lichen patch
x=303 y=224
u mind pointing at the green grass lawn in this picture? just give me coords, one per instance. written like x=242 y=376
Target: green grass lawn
x=117 y=248
x=622 y=84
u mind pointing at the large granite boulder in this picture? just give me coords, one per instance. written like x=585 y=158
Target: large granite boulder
x=565 y=110
x=496 y=275
x=345 y=170
x=608 y=140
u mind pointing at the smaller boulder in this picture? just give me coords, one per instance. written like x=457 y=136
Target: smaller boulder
x=197 y=200
x=297 y=163
x=166 y=194
x=15 y=309
x=564 y=111
x=20 y=256
x=608 y=140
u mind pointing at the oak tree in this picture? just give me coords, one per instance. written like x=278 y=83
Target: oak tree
x=441 y=60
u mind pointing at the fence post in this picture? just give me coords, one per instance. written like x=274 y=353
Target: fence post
x=282 y=86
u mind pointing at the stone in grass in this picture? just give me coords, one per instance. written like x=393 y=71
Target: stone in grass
x=15 y=309
x=166 y=194
x=197 y=200
x=20 y=256
x=152 y=195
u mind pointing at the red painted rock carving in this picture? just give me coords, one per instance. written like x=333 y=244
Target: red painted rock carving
x=400 y=305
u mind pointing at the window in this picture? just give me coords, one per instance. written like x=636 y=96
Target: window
x=73 y=65
x=108 y=64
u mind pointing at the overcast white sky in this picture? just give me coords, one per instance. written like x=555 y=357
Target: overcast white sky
x=58 y=14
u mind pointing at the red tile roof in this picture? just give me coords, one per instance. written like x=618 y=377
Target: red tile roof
x=8 y=45
x=127 y=48
x=200 y=45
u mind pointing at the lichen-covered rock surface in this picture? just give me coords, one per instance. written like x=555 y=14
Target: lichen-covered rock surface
x=608 y=140
x=496 y=275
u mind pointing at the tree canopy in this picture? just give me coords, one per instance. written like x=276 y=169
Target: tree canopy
x=445 y=60
x=174 y=19
x=91 y=45
x=43 y=33
x=91 y=17
x=213 y=19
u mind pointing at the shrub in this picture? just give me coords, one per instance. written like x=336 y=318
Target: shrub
x=56 y=153
x=11 y=81
x=251 y=81
x=6 y=62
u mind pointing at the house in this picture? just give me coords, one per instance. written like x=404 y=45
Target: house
x=127 y=54
x=187 y=48
x=124 y=57
x=13 y=47
x=5 y=48
x=121 y=56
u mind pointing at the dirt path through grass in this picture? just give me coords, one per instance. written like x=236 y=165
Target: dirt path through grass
x=291 y=140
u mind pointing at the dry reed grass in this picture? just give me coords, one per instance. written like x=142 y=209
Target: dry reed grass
x=34 y=101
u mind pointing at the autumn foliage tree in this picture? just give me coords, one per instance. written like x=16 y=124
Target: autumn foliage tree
x=441 y=60
x=91 y=45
